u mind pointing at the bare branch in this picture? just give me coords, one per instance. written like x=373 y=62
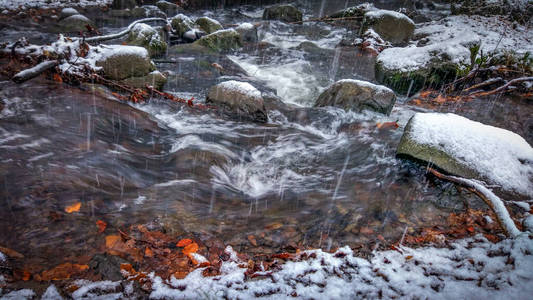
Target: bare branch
x=123 y=32
x=34 y=71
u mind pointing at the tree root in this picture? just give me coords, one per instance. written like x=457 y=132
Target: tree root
x=493 y=201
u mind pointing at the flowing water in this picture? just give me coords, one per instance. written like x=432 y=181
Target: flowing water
x=309 y=178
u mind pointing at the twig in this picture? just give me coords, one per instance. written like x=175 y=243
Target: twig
x=121 y=33
x=483 y=84
x=501 y=88
x=34 y=71
x=493 y=201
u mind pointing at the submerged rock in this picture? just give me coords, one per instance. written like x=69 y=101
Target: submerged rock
x=148 y=37
x=240 y=99
x=67 y=12
x=222 y=40
x=470 y=149
x=358 y=95
x=121 y=62
x=208 y=25
x=75 y=23
x=392 y=26
x=181 y=24
x=285 y=13
x=123 y=4
x=155 y=79
x=248 y=32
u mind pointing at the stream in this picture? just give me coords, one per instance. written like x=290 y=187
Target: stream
x=310 y=177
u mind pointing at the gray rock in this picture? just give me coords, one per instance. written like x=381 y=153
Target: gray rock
x=155 y=79
x=123 y=4
x=147 y=11
x=354 y=11
x=67 y=12
x=239 y=99
x=193 y=35
x=74 y=23
x=108 y=266
x=222 y=40
x=248 y=33
x=392 y=26
x=208 y=25
x=122 y=62
x=148 y=37
x=358 y=95
x=181 y=24
x=168 y=7
x=285 y=13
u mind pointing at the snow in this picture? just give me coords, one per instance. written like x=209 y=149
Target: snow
x=243 y=88
x=449 y=40
x=90 y=290
x=245 y=26
x=377 y=14
x=212 y=20
x=47 y=4
x=528 y=223
x=51 y=293
x=500 y=156
x=3 y=257
x=376 y=87
x=19 y=295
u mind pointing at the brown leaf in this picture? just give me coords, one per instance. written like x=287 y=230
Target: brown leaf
x=273 y=226
x=252 y=240
x=148 y=252
x=11 y=253
x=61 y=272
x=73 y=208
x=101 y=226
x=191 y=248
x=184 y=242
x=57 y=78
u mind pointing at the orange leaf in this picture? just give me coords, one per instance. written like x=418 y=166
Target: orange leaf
x=57 y=78
x=101 y=226
x=273 y=226
x=112 y=240
x=26 y=275
x=408 y=257
x=61 y=272
x=184 y=242
x=387 y=125
x=191 y=248
x=73 y=208
x=282 y=255
x=470 y=229
x=148 y=252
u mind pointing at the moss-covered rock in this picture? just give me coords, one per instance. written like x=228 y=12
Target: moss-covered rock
x=208 y=25
x=121 y=62
x=74 y=23
x=155 y=79
x=222 y=40
x=168 y=7
x=285 y=13
x=181 y=24
x=392 y=26
x=122 y=4
x=248 y=32
x=148 y=37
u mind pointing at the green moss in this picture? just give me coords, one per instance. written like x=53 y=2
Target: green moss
x=222 y=40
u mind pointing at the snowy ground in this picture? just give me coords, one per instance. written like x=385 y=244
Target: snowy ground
x=45 y=4
x=467 y=268
x=449 y=39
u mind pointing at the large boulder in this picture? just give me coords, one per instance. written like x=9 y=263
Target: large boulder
x=147 y=11
x=75 y=23
x=470 y=149
x=285 y=13
x=208 y=25
x=168 y=7
x=67 y=12
x=240 y=99
x=222 y=40
x=353 y=11
x=248 y=32
x=123 y=4
x=181 y=24
x=148 y=37
x=155 y=79
x=120 y=62
x=357 y=95
x=392 y=26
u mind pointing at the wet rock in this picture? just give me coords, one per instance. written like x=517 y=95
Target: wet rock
x=155 y=79
x=181 y=24
x=75 y=23
x=240 y=99
x=67 y=12
x=354 y=11
x=358 y=95
x=193 y=35
x=222 y=40
x=147 y=11
x=148 y=37
x=123 y=4
x=285 y=13
x=392 y=26
x=121 y=62
x=208 y=25
x=108 y=266
x=168 y=7
x=248 y=33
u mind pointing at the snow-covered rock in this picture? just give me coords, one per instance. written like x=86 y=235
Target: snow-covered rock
x=74 y=23
x=67 y=12
x=248 y=32
x=167 y=7
x=285 y=13
x=181 y=24
x=120 y=62
x=148 y=37
x=358 y=95
x=239 y=99
x=470 y=149
x=208 y=25
x=155 y=79
x=392 y=26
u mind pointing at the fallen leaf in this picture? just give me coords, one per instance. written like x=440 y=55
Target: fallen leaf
x=101 y=226
x=387 y=125
x=191 y=248
x=252 y=240
x=470 y=229
x=184 y=242
x=273 y=226
x=282 y=255
x=408 y=257
x=57 y=78
x=148 y=252
x=10 y=252
x=26 y=275
x=62 y=272
x=73 y=208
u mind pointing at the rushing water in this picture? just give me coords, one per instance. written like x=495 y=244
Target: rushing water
x=323 y=177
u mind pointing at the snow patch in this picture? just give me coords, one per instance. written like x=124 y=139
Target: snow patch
x=243 y=88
